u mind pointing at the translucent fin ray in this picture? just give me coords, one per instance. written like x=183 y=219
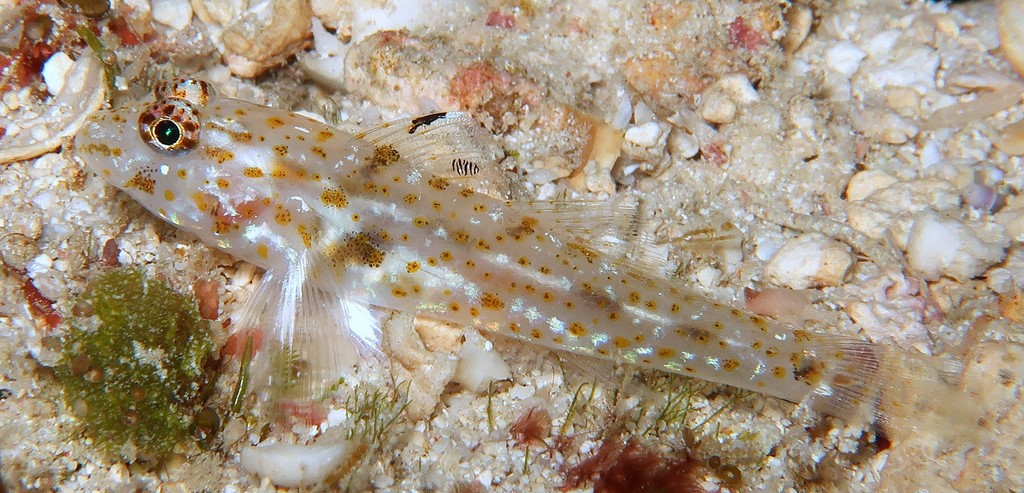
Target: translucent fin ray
x=904 y=391
x=612 y=228
x=448 y=145
x=589 y=219
x=307 y=334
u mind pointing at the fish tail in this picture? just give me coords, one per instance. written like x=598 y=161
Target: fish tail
x=903 y=391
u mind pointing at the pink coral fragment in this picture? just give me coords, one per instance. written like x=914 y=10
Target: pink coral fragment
x=743 y=36
x=498 y=19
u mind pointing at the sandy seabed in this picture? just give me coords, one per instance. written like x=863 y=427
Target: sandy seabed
x=862 y=153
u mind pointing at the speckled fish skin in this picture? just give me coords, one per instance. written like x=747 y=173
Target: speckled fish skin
x=265 y=185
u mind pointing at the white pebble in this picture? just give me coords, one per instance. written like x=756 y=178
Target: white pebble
x=119 y=472
x=172 y=13
x=623 y=113
x=543 y=175
x=880 y=45
x=336 y=417
x=809 y=260
x=1000 y=280
x=370 y=17
x=867 y=182
x=709 y=276
x=233 y=431
x=885 y=126
x=738 y=88
x=766 y=248
x=642 y=113
x=845 y=58
x=11 y=101
x=479 y=364
x=244 y=275
x=219 y=74
x=292 y=466
x=61 y=265
x=55 y=72
x=520 y=392
x=682 y=144
x=909 y=66
x=716 y=107
x=646 y=135
x=39 y=265
x=940 y=246
x=930 y=153
x=325 y=43
x=39 y=132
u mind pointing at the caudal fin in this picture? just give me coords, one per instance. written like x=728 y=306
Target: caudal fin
x=903 y=391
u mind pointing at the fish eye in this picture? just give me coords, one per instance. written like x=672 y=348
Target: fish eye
x=167 y=132
x=170 y=126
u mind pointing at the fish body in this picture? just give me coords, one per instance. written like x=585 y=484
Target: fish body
x=390 y=218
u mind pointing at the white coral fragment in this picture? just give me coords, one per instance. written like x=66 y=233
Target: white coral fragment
x=738 y=88
x=292 y=466
x=867 y=182
x=845 y=58
x=646 y=135
x=266 y=35
x=716 y=107
x=809 y=260
x=172 y=13
x=939 y=246
x=55 y=72
x=479 y=364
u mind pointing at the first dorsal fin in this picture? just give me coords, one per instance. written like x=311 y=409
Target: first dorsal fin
x=449 y=145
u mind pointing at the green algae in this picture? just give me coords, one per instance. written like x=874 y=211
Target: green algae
x=375 y=411
x=135 y=364
x=105 y=56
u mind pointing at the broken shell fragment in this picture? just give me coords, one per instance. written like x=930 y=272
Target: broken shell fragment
x=80 y=95
x=717 y=107
x=257 y=41
x=1011 y=139
x=601 y=151
x=941 y=246
x=293 y=465
x=799 y=19
x=809 y=260
x=1011 y=32
x=174 y=14
x=479 y=364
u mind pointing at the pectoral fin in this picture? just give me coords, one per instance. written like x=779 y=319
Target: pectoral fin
x=305 y=334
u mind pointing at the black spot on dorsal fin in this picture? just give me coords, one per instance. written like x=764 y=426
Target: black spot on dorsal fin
x=422 y=121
